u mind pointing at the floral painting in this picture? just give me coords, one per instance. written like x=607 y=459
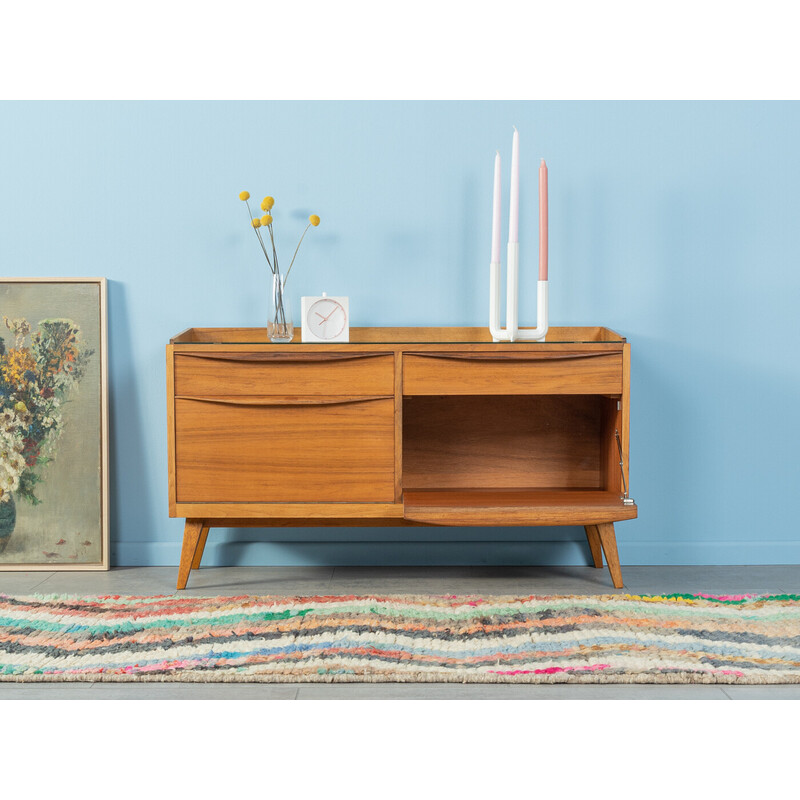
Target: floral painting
x=52 y=424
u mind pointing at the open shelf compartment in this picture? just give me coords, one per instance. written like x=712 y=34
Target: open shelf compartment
x=512 y=460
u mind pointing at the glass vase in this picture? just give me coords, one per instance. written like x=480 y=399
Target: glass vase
x=280 y=328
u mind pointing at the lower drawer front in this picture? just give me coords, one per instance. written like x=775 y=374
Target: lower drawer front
x=527 y=373
x=320 y=451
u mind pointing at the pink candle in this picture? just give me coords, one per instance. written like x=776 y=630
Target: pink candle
x=543 y=221
x=513 y=211
x=496 y=212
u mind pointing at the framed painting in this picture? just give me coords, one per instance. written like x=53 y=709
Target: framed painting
x=53 y=424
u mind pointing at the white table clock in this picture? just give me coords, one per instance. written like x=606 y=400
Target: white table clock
x=326 y=319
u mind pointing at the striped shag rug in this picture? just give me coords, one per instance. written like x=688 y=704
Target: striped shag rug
x=675 y=638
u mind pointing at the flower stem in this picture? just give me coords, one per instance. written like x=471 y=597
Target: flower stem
x=274 y=251
x=279 y=310
x=258 y=235
x=296 y=249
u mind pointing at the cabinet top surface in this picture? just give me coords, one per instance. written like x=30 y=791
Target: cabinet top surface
x=398 y=336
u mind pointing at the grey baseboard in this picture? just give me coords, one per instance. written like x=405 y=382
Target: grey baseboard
x=251 y=552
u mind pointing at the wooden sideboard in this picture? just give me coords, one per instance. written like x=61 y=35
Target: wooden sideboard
x=400 y=426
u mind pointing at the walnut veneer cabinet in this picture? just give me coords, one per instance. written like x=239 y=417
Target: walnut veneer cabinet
x=400 y=426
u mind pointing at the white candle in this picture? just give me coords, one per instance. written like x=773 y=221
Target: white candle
x=513 y=210
x=496 y=212
x=543 y=221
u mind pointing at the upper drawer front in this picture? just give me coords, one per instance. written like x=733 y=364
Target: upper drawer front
x=551 y=372
x=212 y=373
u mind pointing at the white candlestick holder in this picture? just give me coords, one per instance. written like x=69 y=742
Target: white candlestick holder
x=512 y=332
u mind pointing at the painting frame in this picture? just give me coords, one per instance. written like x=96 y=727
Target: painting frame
x=100 y=373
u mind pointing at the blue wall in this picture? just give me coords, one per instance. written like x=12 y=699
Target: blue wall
x=675 y=224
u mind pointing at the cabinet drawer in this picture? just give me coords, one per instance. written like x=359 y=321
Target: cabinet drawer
x=211 y=374
x=268 y=450
x=553 y=372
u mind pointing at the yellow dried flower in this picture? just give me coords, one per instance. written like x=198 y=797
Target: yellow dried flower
x=267 y=203
x=21 y=407
x=244 y=195
x=256 y=222
x=314 y=220
x=266 y=219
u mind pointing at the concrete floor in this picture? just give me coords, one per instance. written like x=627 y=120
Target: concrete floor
x=401 y=580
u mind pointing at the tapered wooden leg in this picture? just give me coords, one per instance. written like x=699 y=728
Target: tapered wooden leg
x=594 y=545
x=201 y=545
x=191 y=536
x=609 y=541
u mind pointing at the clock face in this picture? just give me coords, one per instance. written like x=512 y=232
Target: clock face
x=326 y=318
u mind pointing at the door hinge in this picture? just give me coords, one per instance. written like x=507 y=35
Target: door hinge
x=626 y=498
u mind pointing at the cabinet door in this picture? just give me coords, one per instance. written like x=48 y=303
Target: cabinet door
x=264 y=449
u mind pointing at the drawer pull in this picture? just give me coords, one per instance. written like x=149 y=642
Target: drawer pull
x=286 y=358
x=547 y=356
x=283 y=401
